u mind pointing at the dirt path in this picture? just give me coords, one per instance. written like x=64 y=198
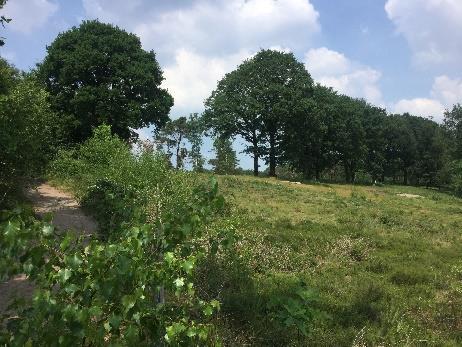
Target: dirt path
x=66 y=215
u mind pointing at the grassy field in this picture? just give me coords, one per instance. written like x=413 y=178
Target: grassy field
x=386 y=268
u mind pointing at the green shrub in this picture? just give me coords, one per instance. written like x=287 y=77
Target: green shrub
x=134 y=289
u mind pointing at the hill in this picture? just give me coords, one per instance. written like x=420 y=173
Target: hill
x=385 y=262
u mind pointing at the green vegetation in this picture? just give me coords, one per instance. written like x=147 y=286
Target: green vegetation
x=261 y=262
x=386 y=267
x=97 y=73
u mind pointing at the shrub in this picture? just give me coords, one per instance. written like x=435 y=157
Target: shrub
x=134 y=289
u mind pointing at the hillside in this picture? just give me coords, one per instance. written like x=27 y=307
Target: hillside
x=385 y=261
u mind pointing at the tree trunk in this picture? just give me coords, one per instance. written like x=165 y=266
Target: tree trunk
x=318 y=174
x=255 y=154
x=255 y=164
x=347 y=173
x=272 y=156
x=178 y=160
x=405 y=177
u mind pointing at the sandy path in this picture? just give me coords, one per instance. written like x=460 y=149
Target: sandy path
x=66 y=215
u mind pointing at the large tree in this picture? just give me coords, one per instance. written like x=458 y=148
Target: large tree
x=255 y=100
x=98 y=73
x=306 y=141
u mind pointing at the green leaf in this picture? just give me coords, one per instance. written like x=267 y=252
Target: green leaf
x=179 y=282
x=128 y=301
x=64 y=274
x=47 y=229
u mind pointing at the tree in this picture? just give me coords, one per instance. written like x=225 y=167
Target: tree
x=306 y=140
x=349 y=135
x=254 y=100
x=226 y=160
x=173 y=136
x=400 y=147
x=176 y=135
x=453 y=125
x=195 y=131
x=97 y=73
x=29 y=133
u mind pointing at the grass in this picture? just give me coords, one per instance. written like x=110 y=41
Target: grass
x=387 y=268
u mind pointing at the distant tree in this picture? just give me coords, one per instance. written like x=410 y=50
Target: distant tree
x=195 y=131
x=306 y=140
x=400 y=147
x=254 y=100
x=173 y=136
x=453 y=126
x=97 y=73
x=349 y=135
x=225 y=161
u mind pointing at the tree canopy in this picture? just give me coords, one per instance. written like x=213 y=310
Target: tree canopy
x=254 y=100
x=98 y=73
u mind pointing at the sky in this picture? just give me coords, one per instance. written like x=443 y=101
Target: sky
x=403 y=55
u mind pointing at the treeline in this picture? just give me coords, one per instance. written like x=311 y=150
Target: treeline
x=271 y=101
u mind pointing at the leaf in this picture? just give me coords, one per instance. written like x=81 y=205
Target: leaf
x=188 y=265
x=115 y=321
x=128 y=301
x=47 y=229
x=179 y=282
x=208 y=310
x=64 y=274
x=107 y=326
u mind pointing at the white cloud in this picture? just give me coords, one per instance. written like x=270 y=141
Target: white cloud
x=212 y=27
x=444 y=94
x=29 y=15
x=447 y=90
x=198 y=42
x=433 y=28
x=333 y=69
x=192 y=77
x=423 y=107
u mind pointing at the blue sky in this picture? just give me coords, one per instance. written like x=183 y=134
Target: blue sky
x=405 y=55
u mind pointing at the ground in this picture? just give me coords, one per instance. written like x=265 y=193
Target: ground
x=385 y=260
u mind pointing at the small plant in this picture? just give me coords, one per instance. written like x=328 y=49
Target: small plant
x=296 y=311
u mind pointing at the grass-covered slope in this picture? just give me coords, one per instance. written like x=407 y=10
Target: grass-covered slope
x=387 y=267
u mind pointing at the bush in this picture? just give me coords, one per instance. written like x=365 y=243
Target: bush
x=134 y=289
x=29 y=134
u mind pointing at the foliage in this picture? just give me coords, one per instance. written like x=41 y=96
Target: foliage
x=135 y=289
x=29 y=131
x=381 y=263
x=175 y=135
x=98 y=73
x=453 y=125
x=3 y=21
x=226 y=160
x=253 y=100
x=295 y=311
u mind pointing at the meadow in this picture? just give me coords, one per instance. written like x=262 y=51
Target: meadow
x=383 y=264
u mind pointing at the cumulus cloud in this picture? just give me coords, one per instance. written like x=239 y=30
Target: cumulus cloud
x=423 y=107
x=444 y=94
x=198 y=42
x=447 y=90
x=333 y=69
x=213 y=27
x=432 y=28
x=29 y=15
x=192 y=77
